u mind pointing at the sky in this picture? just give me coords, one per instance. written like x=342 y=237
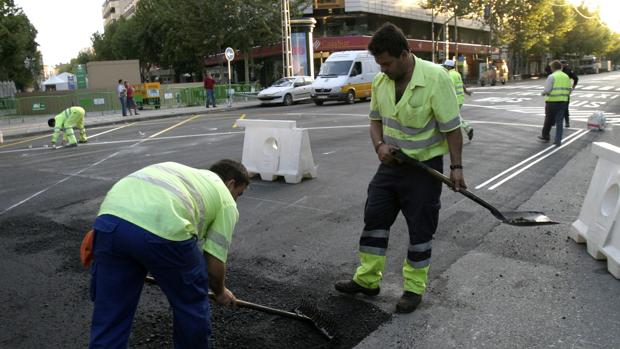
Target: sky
x=64 y=26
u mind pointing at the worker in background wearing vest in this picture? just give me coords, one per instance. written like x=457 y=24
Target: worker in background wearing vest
x=571 y=74
x=460 y=90
x=414 y=110
x=153 y=221
x=557 y=92
x=65 y=122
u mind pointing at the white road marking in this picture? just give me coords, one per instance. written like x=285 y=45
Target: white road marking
x=482 y=185
x=114 y=129
x=606 y=88
x=564 y=144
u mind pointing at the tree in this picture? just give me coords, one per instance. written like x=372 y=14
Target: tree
x=17 y=46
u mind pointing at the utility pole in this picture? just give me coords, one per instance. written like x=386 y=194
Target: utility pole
x=433 y=33
x=287 y=54
x=446 y=35
x=456 y=42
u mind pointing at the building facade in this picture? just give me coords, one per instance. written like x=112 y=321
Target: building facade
x=113 y=10
x=349 y=24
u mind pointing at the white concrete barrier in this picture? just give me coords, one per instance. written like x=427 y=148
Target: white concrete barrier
x=1 y=137
x=598 y=224
x=274 y=148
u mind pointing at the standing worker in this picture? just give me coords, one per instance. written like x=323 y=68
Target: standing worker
x=557 y=92
x=209 y=85
x=424 y=125
x=151 y=221
x=571 y=74
x=460 y=90
x=65 y=122
x=122 y=96
x=131 y=104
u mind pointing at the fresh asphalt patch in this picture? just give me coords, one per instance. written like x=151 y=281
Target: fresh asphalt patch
x=48 y=299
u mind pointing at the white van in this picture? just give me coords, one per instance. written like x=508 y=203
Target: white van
x=345 y=76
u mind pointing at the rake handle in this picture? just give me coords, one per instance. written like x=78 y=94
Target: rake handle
x=403 y=157
x=265 y=309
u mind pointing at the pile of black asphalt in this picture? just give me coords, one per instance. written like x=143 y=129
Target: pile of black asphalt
x=45 y=298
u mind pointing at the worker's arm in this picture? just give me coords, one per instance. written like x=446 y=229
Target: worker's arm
x=548 y=85
x=384 y=151
x=217 y=275
x=455 y=145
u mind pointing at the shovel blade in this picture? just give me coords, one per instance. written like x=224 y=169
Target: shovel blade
x=526 y=218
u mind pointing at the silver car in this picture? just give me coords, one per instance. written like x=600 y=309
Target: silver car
x=287 y=91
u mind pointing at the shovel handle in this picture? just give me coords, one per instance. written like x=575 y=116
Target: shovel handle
x=399 y=155
x=265 y=309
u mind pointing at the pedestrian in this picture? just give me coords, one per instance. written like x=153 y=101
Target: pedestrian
x=130 y=102
x=209 y=85
x=152 y=222
x=571 y=74
x=413 y=109
x=122 y=96
x=65 y=122
x=557 y=92
x=460 y=90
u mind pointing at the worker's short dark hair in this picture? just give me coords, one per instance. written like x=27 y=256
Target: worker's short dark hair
x=556 y=65
x=563 y=61
x=230 y=169
x=389 y=38
x=120 y=80
x=51 y=122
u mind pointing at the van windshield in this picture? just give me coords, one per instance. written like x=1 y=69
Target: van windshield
x=335 y=68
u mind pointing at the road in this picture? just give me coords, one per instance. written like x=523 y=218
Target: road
x=301 y=238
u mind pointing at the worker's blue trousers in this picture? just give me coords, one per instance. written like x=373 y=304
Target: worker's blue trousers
x=124 y=253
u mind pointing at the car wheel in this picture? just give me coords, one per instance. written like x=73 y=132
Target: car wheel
x=288 y=99
x=318 y=102
x=350 y=97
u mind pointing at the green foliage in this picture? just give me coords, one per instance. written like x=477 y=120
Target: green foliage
x=17 y=43
x=179 y=34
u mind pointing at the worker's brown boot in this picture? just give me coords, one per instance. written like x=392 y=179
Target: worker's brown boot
x=352 y=287
x=408 y=302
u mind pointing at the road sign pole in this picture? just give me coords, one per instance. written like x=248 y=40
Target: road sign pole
x=228 y=90
x=229 y=53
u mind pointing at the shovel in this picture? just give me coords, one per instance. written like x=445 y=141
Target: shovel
x=518 y=218
x=306 y=313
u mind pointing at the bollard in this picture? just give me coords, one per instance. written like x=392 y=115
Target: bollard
x=598 y=224
x=274 y=148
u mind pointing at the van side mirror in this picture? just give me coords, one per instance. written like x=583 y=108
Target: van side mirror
x=298 y=84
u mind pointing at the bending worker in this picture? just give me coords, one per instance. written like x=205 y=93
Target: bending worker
x=460 y=90
x=65 y=122
x=413 y=110
x=151 y=221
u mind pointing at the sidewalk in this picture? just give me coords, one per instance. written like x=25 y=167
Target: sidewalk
x=31 y=125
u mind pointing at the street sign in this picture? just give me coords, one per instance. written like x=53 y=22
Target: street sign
x=81 y=76
x=229 y=53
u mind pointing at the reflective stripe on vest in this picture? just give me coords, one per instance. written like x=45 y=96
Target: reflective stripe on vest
x=194 y=191
x=561 y=88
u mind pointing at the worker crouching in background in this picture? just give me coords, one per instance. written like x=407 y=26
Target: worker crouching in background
x=65 y=122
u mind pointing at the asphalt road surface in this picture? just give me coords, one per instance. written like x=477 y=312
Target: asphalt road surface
x=294 y=240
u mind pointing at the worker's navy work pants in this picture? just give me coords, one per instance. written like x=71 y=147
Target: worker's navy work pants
x=554 y=115
x=411 y=190
x=124 y=253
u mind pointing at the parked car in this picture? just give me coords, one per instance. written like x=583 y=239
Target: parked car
x=287 y=90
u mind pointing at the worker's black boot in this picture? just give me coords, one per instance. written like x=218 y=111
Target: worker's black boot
x=408 y=302
x=352 y=287
x=470 y=133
